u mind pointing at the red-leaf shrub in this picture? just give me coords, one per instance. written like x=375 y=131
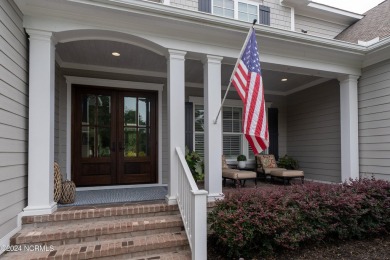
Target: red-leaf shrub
x=252 y=221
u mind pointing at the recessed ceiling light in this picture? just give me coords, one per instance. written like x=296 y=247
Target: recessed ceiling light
x=116 y=54
x=284 y=79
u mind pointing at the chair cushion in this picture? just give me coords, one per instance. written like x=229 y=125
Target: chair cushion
x=237 y=174
x=268 y=161
x=287 y=173
x=268 y=170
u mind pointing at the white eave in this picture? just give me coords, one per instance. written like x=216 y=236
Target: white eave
x=177 y=18
x=184 y=15
x=323 y=12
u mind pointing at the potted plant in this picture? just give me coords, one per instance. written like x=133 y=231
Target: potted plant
x=196 y=165
x=241 y=159
x=288 y=162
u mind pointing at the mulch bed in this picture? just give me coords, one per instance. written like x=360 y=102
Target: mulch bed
x=370 y=249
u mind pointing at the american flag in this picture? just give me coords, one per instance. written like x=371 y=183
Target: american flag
x=249 y=84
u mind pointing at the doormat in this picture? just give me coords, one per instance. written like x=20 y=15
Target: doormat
x=92 y=197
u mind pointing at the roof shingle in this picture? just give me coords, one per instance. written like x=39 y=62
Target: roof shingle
x=375 y=23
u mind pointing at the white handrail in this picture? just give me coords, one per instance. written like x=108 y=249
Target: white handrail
x=192 y=204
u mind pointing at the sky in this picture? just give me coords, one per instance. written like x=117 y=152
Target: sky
x=356 y=6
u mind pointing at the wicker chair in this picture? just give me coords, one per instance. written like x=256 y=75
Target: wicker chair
x=239 y=177
x=265 y=163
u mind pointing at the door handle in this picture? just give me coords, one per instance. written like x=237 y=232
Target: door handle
x=113 y=147
x=120 y=146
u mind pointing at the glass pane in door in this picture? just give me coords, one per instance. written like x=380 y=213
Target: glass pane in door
x=96 y=126
x=130 y=111
x=104 y=141
x=104 y=110
x=143 y=111
x=87 y=142
x=143 y=138
x=137 y=126
x=88 y=109
x=130 y=139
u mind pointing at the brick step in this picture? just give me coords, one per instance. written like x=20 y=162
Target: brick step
x=175 y=255
x=97 y=230
x=156 y=245
x=86 y=214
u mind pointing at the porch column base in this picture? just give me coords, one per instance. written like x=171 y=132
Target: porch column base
x=170 y=200
x=39 y=210
x=215 y=196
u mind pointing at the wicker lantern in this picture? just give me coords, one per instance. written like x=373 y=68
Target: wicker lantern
x=57 y=182
x=68 y=192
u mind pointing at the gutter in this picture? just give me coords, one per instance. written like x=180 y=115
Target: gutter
x=175 y=13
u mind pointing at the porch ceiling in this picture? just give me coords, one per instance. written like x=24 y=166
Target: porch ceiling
x=95 y=55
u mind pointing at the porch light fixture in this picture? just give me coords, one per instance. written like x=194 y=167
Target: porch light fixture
x=116 y=54
x=284 y=79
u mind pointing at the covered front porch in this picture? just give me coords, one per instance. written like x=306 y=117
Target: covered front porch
x=187 y=65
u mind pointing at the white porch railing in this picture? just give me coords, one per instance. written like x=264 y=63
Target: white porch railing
x=192 y=204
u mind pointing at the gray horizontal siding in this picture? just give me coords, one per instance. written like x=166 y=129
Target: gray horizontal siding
x=13 y=116
x=186 y=4
x=313 y=131
x=60 y=121
x=280 y=15
x=12 y=171
x=374 y=121
x=318 y=27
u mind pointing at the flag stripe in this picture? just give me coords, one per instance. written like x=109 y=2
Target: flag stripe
x=248 y=82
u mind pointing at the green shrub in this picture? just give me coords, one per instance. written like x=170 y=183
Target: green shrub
x=288 y=162
x=196 y=165
x=241 y=157
x=253 y=221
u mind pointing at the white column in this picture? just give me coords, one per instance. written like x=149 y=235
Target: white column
x=349 y=127
x=176 y=117
x=41 y=124
x=212 y=130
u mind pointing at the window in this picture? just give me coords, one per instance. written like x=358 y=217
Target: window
x=199 y=130
x=224 y=8
x=234 y=142
x=231 y=131
x=247 y=12
x=244 y=10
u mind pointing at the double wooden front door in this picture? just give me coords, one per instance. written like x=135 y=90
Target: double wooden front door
x=114 y=137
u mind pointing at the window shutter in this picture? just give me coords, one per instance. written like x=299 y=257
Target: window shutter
x=264 y=15
x=231 y=145
x=189 y=127
x=273 y=132
x=204 y=6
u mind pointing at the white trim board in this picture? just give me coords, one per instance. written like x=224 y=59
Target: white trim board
x=114 y=84
x=5 y=240
x=120 y=187
x=79 y=66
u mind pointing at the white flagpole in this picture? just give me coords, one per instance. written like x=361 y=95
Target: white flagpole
x=235 y=67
